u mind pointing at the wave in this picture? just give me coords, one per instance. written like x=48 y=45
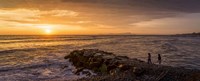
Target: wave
x=32 y=66
x=48 y=40
x=24 y=50
x=167 y=47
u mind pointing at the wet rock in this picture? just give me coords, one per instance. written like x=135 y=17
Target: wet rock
x=121 y=57
x=97 y=60
x=110 y=67
x=87 y=73
x=79 y=70
x=103 y=68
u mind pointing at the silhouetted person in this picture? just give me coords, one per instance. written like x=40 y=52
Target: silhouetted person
x=159 y=59
x=149 y=58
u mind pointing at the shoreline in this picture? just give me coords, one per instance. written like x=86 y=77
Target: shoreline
x=108 y=66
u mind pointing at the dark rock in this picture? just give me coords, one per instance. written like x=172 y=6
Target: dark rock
x=79 y=70
x=110 y=67
x=103 y=68
x=121 y=57
x=87 y=73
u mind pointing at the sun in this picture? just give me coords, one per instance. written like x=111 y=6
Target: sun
x=48 y=31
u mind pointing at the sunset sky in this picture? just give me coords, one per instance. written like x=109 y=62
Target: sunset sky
x=71 y=17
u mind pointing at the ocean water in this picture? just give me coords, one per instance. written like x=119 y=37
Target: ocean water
x=42 y=57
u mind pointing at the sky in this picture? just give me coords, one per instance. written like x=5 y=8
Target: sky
x=83 y=17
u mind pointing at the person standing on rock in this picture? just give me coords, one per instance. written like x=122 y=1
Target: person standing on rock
x=149 y=58
x=159 y=59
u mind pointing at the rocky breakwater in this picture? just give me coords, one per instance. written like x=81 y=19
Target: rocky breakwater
x=110 y=67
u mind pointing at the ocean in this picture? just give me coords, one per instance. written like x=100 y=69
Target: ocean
x=42 y=57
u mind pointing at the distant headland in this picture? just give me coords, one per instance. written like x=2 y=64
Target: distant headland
x=194 y=34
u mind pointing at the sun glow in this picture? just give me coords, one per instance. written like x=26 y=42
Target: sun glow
x=48 y=31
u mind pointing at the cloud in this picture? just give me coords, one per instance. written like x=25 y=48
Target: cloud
x=123 y=12
x=30 y=18
x=19 y=14
x=60 y=13
x=95 y=14
x=177 y=5
x=109 y=12
x=32 y=15
x=171 y=5
x=178 y=24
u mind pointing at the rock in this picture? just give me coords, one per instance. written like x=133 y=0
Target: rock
x=121 y=68
x=114 y=71
x=108 y=56
x=79 y=70
x=87 y=73
x=96 y=60
x=121 y=57
x=97 y=54
x=103 y=68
